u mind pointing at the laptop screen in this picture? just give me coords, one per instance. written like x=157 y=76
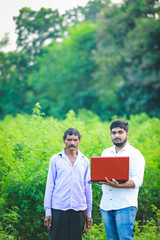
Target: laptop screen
x=110 y=167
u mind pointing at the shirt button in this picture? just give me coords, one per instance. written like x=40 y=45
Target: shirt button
x=110 y=190
x=110 y=199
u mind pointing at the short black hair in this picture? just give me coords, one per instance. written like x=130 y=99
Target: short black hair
x=72 y=131
x=119 y=123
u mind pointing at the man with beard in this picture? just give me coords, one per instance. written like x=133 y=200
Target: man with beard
x=68 y=196
x=119 y=200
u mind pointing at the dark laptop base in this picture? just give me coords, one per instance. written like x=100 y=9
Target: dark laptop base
x=98 y=182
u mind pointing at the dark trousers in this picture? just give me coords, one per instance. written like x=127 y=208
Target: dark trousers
x=67 y=225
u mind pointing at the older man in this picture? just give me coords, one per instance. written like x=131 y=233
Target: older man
x=68 y=196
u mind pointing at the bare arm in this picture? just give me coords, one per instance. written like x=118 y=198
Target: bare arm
x=114 y=183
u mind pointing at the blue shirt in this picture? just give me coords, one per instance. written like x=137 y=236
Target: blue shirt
x=67 y=186
x=117 y=198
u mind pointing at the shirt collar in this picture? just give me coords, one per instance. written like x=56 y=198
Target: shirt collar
x=80 y=155
x=123 y=149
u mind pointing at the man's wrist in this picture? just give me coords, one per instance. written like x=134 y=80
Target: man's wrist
x=48 y=212
x=89 y=219
x=89 y=214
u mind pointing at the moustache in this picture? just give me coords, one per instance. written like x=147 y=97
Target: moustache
x=71 y=146
x=117 y=139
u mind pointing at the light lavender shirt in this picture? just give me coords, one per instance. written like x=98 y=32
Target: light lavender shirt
x=67 y=186
x=117 y=198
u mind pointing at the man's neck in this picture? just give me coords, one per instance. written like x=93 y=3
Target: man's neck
x=72 y=155
x=118 y=148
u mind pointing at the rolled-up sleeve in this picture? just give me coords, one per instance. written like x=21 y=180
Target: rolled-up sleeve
x=137 y=173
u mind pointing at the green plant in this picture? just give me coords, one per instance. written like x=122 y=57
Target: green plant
x=97 y=232
x=8 y=224
x=149 y=230
x=27 y=144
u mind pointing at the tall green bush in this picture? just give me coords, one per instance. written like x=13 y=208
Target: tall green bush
x=28 y=142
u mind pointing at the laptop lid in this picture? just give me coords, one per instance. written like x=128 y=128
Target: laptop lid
x=110 y=167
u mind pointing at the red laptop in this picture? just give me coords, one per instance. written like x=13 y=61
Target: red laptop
x=110 y=167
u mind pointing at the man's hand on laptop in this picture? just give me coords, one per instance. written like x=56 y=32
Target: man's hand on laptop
x=112 y=183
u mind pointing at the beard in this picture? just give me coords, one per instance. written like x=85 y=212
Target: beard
x=118 y=144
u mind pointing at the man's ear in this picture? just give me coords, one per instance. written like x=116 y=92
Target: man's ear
x=127 y=134
x=63 y=140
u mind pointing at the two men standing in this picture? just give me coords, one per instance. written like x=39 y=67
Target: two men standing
x=68 y=197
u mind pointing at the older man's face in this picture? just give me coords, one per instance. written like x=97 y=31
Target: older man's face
x=72 y=142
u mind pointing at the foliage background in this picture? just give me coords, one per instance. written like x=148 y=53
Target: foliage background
x=103 y=57
x=27 y=144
